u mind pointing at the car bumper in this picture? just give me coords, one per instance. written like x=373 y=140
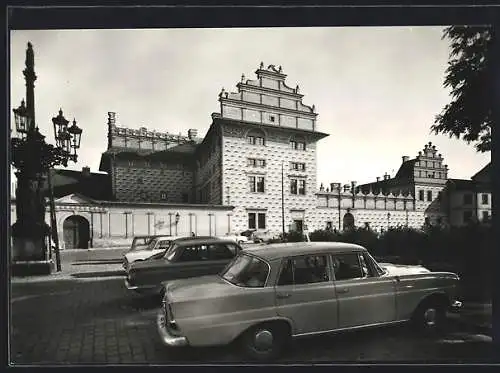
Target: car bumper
x=166 y=337
x=129 y=286
x=456 y=306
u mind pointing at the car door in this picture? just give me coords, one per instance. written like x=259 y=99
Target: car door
x=364 y=298
x=305 y=294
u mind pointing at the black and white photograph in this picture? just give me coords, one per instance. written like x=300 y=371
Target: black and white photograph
x=251 y=195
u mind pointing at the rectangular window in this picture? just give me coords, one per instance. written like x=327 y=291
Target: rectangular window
x=347 y=266
x=254 y=162
x=429 y=195
x=255 y=140
x=260 y=184
x=467 y=199
x=467 y=216
x=163 y=195
x=297 y=145
x=261 y=220
x=484 y=199
x=485 y=215
x=303 y=270
x=302 y=187
x=252 y=220
x=420 y=195
x=298 y=166
x=256 y=184
x=298 y=186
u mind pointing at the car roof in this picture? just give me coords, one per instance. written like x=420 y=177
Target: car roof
x=202 y=240
x=280 y=250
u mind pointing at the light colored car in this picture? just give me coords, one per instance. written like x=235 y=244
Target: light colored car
x=238 y=238
x=271 y=293
x=156 y=245
x=262 y=236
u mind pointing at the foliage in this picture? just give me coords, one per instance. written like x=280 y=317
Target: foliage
x=469 y=76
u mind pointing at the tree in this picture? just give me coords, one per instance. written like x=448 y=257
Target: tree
x=469 y=75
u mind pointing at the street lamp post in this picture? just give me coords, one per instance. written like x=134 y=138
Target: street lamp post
x=177 y=218
x=32 y=157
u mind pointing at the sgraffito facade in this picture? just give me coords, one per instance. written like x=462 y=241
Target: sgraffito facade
x=256 y=168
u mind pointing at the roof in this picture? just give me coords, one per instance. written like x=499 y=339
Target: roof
x=406 y=170
x=92 y=185
x=201 y=240
x=461 y=184
x=279 y=250
x=483 y=174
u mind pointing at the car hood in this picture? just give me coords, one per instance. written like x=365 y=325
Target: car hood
x=197 y=288
x=403 y=269
x=138 y=255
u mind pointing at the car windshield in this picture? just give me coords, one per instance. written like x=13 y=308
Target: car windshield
x=247 y=271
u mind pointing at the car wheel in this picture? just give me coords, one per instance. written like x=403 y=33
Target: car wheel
x=265 y=341
x=430 y=316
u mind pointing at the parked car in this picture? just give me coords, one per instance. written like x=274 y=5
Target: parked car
x=262 y=236
x=239 y=239
x=157 y=244
x=186 y=257
x=269 y=294
x=141 y=242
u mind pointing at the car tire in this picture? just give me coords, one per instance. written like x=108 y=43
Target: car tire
x=430 y=316
x=266 y=341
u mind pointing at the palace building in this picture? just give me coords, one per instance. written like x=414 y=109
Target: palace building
x=255 y=168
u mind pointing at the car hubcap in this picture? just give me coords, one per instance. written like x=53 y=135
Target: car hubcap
x=430 y=317
x=263 y=340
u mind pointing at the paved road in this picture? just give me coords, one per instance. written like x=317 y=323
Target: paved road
x=96 y=321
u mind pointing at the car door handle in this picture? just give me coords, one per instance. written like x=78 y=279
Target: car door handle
x=343 y=291
x=283 y=295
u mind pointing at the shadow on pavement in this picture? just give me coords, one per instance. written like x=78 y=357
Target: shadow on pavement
x=98 y=274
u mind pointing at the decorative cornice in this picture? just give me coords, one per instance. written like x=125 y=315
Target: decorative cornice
x=278 y=109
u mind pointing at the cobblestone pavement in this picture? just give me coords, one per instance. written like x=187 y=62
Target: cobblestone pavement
x=94 y=320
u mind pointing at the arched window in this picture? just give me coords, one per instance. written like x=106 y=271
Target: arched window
x=255 y=137
x=298 y=143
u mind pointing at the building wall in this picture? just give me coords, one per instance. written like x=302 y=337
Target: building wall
x=116 y=224
x=208 y=177
x=153 y=182
x=275 y=152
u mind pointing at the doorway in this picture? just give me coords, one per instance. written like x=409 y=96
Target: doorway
x=76 y=232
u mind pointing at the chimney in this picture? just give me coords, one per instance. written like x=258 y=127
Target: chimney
x=378 y=179
x=192 y=133
x=86 y=171
x=386 y=176
x=111 y=118
x=405 y=158
x=347 y=187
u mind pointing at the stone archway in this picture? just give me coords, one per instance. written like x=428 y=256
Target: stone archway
x=348 y=221
x=76 y=232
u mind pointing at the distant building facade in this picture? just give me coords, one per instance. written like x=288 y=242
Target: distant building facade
x=255 y=168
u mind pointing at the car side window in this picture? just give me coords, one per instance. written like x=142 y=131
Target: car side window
x=194 y=253
x=220 y=251
x=307 y=269
x=347 y=266
x=365 y=268
x=163 y=245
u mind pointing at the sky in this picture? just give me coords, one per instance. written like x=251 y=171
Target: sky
x=377 y=90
